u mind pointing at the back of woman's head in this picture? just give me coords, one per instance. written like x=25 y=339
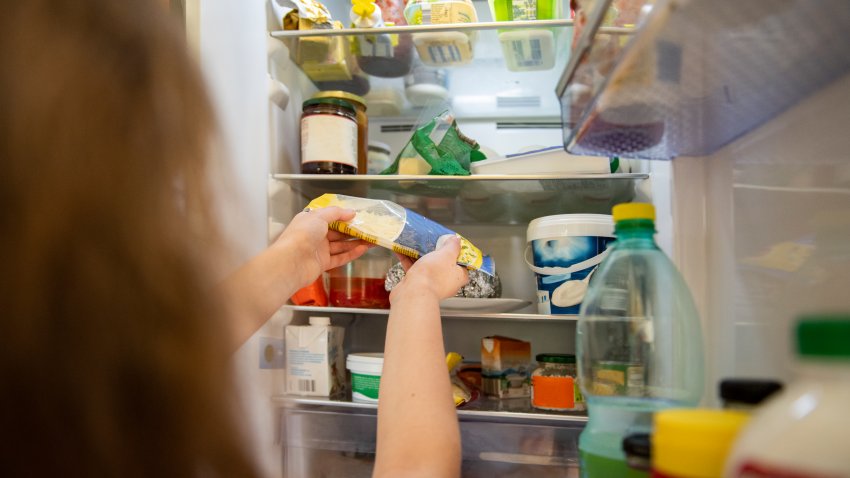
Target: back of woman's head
x=114 y=354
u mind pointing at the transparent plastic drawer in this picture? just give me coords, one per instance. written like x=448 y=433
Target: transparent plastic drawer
x=321 y=443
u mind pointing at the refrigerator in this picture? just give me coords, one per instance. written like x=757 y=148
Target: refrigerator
x=732 y=117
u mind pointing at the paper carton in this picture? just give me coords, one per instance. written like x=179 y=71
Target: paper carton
x=315 y=361
x=505 y=366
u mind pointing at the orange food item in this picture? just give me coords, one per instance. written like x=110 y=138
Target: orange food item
x=552 y=392
x=313 y=294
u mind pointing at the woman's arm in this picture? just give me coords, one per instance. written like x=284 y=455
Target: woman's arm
x=305 y=249
x=418 y=432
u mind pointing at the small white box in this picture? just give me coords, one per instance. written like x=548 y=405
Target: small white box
x=552 y=160
x=315 y=361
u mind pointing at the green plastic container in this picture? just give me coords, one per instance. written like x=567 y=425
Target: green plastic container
x=509 y=10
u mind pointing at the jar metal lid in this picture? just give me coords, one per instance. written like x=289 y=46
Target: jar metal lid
x=378 y=146
x=556 y=358
x=344 y=95
x=330 y=101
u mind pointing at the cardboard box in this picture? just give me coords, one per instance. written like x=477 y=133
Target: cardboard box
x=505 y=367
x=315 y=360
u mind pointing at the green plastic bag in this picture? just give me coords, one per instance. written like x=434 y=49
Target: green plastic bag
x=437 y=148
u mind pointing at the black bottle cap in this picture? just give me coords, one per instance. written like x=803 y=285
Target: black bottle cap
x=747 y=391
x=638 y=444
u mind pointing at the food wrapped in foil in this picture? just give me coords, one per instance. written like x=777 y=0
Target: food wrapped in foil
x=480 y=286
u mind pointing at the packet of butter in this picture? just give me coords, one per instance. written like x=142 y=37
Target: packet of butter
x=389 y=225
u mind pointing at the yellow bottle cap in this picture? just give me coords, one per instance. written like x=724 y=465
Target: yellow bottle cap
x=633 y=210
x=694 y=442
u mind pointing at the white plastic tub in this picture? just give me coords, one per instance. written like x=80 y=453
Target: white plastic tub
x=563 y=251
x=365 y=371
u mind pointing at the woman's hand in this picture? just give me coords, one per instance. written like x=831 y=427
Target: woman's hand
x=316 y=247
x=436 y=273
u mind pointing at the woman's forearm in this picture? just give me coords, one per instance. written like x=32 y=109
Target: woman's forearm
x=418 y=433
x=259 y=288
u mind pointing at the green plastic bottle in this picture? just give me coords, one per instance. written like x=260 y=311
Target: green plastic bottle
x=638 y=343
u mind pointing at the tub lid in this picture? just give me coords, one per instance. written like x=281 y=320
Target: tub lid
x=570 y=225
x=371 y=358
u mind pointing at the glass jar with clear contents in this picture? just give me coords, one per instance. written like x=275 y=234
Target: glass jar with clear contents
x=553 y=383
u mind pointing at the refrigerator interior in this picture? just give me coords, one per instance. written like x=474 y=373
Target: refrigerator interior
x=758 y=228
x=507 y=113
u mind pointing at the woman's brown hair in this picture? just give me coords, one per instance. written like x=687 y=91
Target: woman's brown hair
x=114 y=353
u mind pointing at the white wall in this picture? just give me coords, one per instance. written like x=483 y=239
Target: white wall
x=231 y=40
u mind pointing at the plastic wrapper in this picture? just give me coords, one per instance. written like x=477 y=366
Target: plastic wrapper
x=389 y=225
x=461 y=393
x=480 y=286
x=301 y=14
x=325 y=60
x=437 y=147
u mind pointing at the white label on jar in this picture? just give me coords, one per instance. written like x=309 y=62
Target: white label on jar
x=328 y=138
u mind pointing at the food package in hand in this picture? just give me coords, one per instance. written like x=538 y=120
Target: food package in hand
x=389 y=225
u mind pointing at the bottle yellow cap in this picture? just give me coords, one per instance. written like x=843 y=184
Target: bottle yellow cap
x=694 y=442
x=633 y=210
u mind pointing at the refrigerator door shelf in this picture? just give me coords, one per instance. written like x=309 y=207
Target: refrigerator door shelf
x=675 y=90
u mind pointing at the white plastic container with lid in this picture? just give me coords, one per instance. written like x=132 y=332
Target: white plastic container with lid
x=365 y=371
x=443 y=48
x=563 y=251
x=804 y=431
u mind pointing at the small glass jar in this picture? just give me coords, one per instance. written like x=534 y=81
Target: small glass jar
x=379 y=157
x=360 y=283
x=553 y=383
x=359 y=104
x=328 y=137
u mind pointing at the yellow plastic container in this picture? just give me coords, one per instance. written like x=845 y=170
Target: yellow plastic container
x=694 y=443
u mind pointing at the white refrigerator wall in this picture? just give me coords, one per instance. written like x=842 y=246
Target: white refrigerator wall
x=774 y=211
x=230 y=38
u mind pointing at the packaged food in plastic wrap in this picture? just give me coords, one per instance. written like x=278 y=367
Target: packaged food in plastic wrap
x=389 y=225
x=437 y=147
x=461 y=393
x=326 y=60
x=480 y=285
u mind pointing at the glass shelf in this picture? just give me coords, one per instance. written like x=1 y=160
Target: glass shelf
x=448 y=314
x=483 y=408
x=697 y=74
x=520 y=60
x=479 y=199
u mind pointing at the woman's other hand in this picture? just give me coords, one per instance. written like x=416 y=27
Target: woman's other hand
x=316 y=247
x=436 y=272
